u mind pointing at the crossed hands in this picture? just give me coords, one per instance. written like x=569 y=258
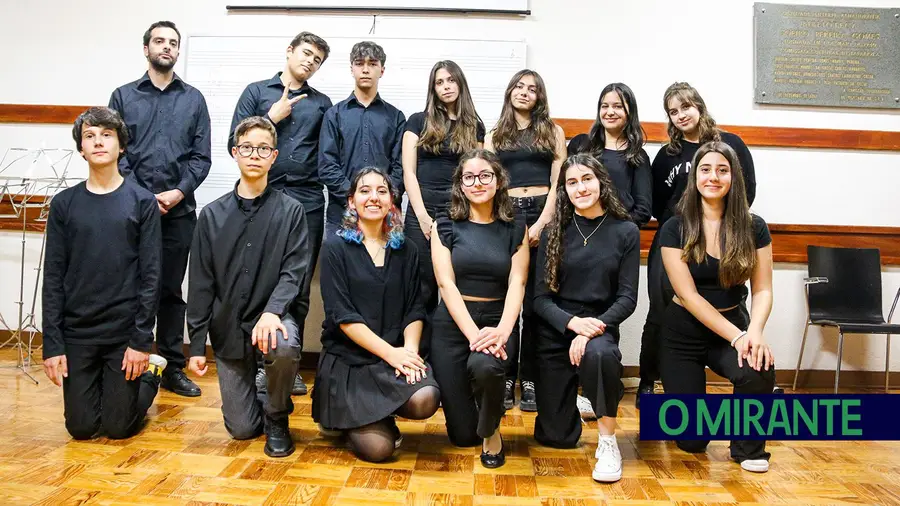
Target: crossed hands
x=408 y=363
x=754 y=349
x=490 y=341
x=585 y=329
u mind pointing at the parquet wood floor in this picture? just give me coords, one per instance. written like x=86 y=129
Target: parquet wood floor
x=184 y=456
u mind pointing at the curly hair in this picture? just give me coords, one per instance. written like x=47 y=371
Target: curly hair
x=459 y=205
x=392 y=227
x=565 y=211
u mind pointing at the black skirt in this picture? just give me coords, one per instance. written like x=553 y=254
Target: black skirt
x=349 y=396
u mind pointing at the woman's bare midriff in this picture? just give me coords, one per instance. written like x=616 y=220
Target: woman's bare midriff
x=529 y=191
x=676 y=300
x=469 y=298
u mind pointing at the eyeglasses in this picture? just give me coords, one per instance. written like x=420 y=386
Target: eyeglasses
x=483 y=178
x=247 y=150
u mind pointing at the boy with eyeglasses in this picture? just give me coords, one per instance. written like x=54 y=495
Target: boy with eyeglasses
x=249 y=259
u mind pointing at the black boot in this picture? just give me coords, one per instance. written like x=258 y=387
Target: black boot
x=643 y=388
x=299 y=387
x=278 y=438
x=529 y=399
x=174 y=380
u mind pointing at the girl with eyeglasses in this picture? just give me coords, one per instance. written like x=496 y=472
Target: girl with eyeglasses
x=370 y=368
x=587 y=264
x=480 y=255
x=531 y=147
x=432 y=144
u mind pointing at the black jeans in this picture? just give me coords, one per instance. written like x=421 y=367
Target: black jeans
x=471 y=383
x=96 y=393
x=177 y=234
x=524 y=349
x=688 y=347
x=242 y=405
x=650 y=340
x=435 y=202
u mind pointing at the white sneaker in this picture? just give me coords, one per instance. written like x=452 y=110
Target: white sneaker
x=755 y=465
x=157 y=365
x=585 y=408
x=608 y=468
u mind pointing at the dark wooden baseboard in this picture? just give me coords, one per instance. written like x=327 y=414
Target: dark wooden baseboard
x=809 y=378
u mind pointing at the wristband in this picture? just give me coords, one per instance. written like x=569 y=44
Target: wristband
x=742 y=334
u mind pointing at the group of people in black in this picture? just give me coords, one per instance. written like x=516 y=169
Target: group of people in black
x=517 y=259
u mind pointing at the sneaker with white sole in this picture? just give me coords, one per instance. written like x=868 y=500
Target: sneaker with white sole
x=608 y=468
x=157 y=365
x=755 y=465
x=585 y=408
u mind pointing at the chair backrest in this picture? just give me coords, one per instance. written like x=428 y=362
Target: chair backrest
x=853 y=291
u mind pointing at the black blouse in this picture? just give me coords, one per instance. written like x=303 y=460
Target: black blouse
x=434 y=171
x=527 y=166
x=385 y=299
x=481 y=254
x=706 y=274
x=602 y=275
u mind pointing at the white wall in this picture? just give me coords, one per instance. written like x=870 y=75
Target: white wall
x=61 y=52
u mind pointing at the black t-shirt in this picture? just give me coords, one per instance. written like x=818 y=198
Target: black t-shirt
x=434 y=171
x=481 y=254
x=706 y=274
x=670 y=174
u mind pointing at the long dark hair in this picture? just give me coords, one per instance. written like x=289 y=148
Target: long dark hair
x=633 y=131
x=687 y=94
x=541 y=132
x=392 y=227
x=736 y=240
x=459 y=205
x=437 y=120
x=565 y=211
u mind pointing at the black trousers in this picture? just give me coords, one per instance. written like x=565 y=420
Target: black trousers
x=177 y=234
x=524 y=349
x=471 y=382
x=315 y=224
x=435 y=202
x=650 y=340
x=96 y=394
x=688 y=347
x=558 y=422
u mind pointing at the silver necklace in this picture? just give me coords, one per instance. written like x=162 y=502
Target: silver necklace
x=592 y=233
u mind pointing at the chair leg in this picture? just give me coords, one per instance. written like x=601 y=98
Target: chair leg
x=800 y=358
x=837 y=372
x=887 y=365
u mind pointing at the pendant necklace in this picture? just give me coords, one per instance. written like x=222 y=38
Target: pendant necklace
x=592 y=233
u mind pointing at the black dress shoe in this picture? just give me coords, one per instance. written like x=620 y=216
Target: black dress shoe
x=529 y=399
x=494 y=461
x=509 y=394
x=643 y=388
x=174 y=380
x=299 y=387
x=278 y=438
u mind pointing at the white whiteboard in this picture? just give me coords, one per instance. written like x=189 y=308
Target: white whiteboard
x=492 y=5
x=222 y=66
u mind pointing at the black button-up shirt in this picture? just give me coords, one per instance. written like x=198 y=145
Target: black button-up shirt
x=169 y=138
x=296 y=170
x=354 y=137
x=244 y=262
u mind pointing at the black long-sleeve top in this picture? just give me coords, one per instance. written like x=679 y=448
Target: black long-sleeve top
x=169 y=144
x=248 y=257
x=670 y=174
x=354 y=137
x=296 y=170
x=633 y=183
x=602 y=275
x=101 y=268
x=385 y=299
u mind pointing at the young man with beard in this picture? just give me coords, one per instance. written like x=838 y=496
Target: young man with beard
x=361 y=131
x=170 y=155
x=101 y=289
x=296 y=109
x=249 y=259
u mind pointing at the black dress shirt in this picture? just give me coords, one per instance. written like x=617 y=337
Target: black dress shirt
x=169 y=138
x=385 y=299
x=354 y=137
x=296 y=170
x=101 y=268
x=244 y=262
